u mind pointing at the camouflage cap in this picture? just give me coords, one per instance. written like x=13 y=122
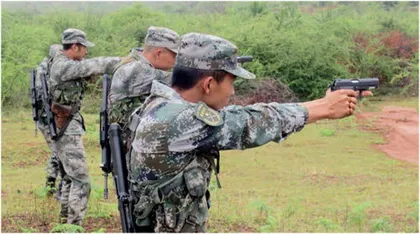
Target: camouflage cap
x=162 y=37
x=208 y=52
x=73 y=35
x=54 y=50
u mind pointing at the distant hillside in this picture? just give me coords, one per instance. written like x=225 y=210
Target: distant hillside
x=47 y=7
x=195 y=7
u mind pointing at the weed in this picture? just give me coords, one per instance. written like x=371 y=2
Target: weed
x=262 y=208
x=327 y=132
x=28 y=230
x=381 y=225
x=271 y=225
x=98 y=210
x=357 y=216
x=327 y=224
x=415 y=214
x=100 y=230
x=65 y=228
x=265 y=215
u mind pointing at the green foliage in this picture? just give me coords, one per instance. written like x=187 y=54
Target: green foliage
x=415 y=214
x=270 y=226
x=265 y=214
x=100 y=230
x=28 y=230
x=381 y=225
x=327 y=132
x=261 y=207
x=41 y=191
x=303 y=44
x=67 y=228
x=327 y=224
x=357 y=216
x=99 y=210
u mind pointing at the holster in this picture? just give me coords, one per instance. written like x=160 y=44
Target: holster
x=61 y=113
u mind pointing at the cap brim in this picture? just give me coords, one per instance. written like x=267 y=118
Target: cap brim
x=173 y=50
x=242 y=73
x=88 y=43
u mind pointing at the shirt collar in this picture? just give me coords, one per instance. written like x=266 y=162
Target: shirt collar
x=137 y=55
x=162 y=90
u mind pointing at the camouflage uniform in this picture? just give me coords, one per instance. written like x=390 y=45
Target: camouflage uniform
x=132 y=80
x=175 y=142
x=42 y=124
x=67 y=83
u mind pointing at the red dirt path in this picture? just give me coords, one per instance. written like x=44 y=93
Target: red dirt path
x=401 y=128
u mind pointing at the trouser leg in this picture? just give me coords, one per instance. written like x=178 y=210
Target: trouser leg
x=76 y=188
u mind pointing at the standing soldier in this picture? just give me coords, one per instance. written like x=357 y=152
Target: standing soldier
x=69 y=73
x=133 y=78
x=52 y=163
x=181 y=130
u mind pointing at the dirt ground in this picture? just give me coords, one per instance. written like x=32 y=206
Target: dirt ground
x=400 y=126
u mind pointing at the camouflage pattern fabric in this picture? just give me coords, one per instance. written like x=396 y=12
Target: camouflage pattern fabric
x=131 y=85
x=67 y=86
x=67 y=78
x=76 y=187
x=173 y=139
x=73 y=36
x=52 y=168
x=162 y=37
x=208 y=52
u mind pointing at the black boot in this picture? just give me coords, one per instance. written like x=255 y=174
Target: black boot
x=50 y=186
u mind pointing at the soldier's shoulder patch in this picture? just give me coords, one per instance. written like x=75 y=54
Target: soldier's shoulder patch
x=208 y=115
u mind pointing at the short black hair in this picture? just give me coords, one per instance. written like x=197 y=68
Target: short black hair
x=185 y=78
x=68 y=46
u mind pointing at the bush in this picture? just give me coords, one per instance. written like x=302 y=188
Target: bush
x=303 y=45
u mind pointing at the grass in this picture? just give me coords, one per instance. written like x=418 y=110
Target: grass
x=328 y=178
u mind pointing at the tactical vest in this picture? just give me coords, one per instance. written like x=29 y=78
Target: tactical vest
x=69 y=92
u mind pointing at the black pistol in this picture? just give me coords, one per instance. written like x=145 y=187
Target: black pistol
x=355 y=84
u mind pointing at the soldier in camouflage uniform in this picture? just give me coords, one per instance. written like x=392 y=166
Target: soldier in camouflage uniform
x=132 y=80
x=181 y=129
x=42 y=124
x=69 y=73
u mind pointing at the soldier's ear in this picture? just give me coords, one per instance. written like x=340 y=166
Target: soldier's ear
x=207 y=84
x=76 y=47
x=159 y=52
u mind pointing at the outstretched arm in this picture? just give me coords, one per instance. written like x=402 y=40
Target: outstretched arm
x=72 y=69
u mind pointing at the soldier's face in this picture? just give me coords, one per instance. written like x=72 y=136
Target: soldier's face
x=165 y=59
x=220 y=93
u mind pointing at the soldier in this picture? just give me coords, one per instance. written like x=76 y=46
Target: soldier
x=52 y=163
x=133 y=78
x=69 y=73
x=181 y=130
